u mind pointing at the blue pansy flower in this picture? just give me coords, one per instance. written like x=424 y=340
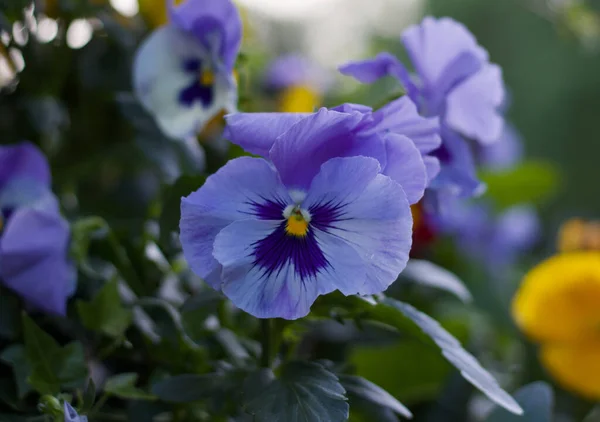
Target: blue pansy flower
x=183 y=72
x=34 y=237
x=315 y=215
x=296 y=70
x=71 y=414
x=455 y=81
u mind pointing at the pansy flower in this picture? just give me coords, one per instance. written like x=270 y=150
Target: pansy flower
x=321 y=211
x=299 y=83
x=454 y=81
x=71 y=414
x=183 y=72
x=34 y=237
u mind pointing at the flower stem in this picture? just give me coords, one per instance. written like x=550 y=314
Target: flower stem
x=267 y=342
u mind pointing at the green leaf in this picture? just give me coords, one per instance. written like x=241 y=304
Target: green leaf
x=89 y=397
x=105 y=313
x=187 y=387
x=171 y=212
x=15 y=357
x=123 y=385
x=304 y=392
x=531 y=182
x=429 y=274
x=52 y=366
x=537 y=401
x=366 y=390
x=9 y=315
x=468 y=366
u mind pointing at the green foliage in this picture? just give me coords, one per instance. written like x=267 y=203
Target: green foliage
x=123 y=386
x=15 y=357
x=52 y=366
x=105 y=313
x=537 y=401
x=302 y=392
x=187 y=387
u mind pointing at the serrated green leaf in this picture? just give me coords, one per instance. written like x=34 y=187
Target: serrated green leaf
x=531 y=182
x=187 y=387
x=15 y=357
x=123 y=385
x=105 y=313
x=366 y=390
x=304 y=392
x=537 y=401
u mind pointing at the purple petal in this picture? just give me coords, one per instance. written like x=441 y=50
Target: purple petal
x=350 y=107
x=299 y=153
x=433 y=167
x=472 y=107
x=518 y=228
x=405 y=166
x=294 y=70
x=215 y=23
x=23 y=160
x=33 y=259
x=435 y=43
x=242 y=189
x=504 y=153
x=71 y=414
x=401 y=116
x=256 y=132
x=371 y=213
x=384 y=64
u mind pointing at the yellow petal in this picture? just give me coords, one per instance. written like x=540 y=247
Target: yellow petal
x=575 y=367
x=559 y=300
x=299 y=99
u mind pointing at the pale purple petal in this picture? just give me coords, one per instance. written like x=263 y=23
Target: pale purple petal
x=215 y=23
x=299 y=152
x=472 y=107
x=518 y=228
x=256 y=132
x=33 y=259
x=294 y=70
x=23 y=160
x=401 y=116
x=237 y=191
x=367 y=210
x=433 y=167
x=435 y=43
x=504 y=153
x=405 y=166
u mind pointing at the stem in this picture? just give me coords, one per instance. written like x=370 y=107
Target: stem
x=267 y=343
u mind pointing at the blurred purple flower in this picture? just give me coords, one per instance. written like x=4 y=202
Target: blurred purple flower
x=503 y=154
x=315 y=215
x=34 y=238
x=183 y=72
x=495 y=240
x=295 y=70
x=71 y=414
x=454 y=81
x=397 y=143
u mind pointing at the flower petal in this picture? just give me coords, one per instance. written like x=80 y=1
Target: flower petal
x=405 y=166
x=235 y=192
x=504 y=153
x=300 y=151
x=256 y=132
x=23 y=160
x=435 y=43
x=160 y=79
x=215 y=23
x=349 y=199
x=33 y=259
x=472 y=107
x=401 y=116
x=433 y=167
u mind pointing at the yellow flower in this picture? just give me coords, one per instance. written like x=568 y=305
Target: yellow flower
x=559 y=300
x=575 y=366
x=299 y=99
x=577 y=234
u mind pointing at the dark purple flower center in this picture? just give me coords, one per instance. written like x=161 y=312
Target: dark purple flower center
x=201 y=89
x=5 y=214
x=294 y=241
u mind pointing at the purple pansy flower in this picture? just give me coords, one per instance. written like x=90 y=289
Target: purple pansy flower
x=454 y=81
x=71 y=414
x=314 y=215
x=295 y=70
x=34 y=237
x=503 y=154
x=494 y=240
x=183 y=72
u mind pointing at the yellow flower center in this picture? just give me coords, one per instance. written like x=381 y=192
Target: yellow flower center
x=207 y=78
x=296 y=224
x=299 y=99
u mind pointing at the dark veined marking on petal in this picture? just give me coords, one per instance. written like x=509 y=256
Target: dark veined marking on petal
x=267 y=209
x=201 y=88
x=272 y=253
x=325 y=214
